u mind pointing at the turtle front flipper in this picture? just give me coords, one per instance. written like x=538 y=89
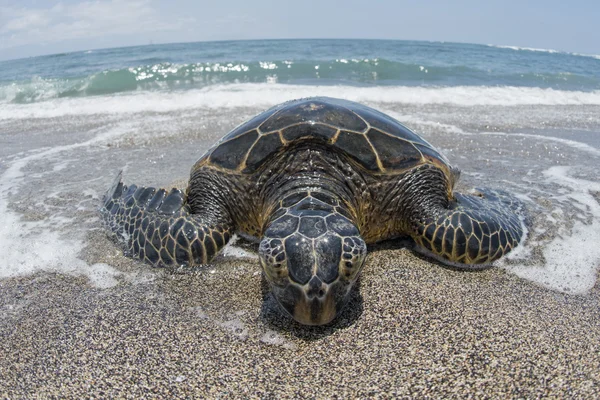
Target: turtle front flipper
x=474 y=229
x=157 y=227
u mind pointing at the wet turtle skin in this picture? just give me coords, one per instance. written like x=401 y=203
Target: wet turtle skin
x=316 y=180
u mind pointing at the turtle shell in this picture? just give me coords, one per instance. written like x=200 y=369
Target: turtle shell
x=372 y=139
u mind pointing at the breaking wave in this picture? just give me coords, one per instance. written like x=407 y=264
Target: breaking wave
x=362 y=72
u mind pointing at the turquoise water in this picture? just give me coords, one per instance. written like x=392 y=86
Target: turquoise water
x=363 y=63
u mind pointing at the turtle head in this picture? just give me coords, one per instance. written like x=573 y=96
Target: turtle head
x=311 y=259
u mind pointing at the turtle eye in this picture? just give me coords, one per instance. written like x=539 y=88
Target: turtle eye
x=350 y=269
x=273 y=259
x=353 y=257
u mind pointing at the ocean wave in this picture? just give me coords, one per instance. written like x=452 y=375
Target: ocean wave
x=157 y=76
x=596 y=56
x=549 y=51
x=265 y=95
x=517 y=48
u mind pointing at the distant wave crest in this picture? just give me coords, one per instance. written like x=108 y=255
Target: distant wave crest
x=517 y=48
x=549 y=51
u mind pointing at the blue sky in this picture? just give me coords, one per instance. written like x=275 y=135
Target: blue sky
x=29 y=27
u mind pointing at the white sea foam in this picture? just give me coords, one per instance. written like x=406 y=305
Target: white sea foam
x=517 y=48
x=572 y=259
x=236 y=327
x=267 y=94
x=596 y=56
x=31 y=246
x=550 y=51
x=231 y=250
x=273 y=338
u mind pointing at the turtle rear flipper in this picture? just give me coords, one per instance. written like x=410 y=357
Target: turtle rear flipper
x=474 y=231
x=156 y=226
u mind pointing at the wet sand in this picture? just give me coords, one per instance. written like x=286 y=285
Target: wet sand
x=413 y=328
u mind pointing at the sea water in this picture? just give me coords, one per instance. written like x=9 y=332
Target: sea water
x=524 y=120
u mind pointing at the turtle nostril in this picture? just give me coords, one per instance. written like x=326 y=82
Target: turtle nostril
x=315 y=287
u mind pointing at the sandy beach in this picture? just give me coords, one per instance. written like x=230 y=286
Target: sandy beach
x=412 y=329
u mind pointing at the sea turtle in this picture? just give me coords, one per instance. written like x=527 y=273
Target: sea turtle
x=316 y=180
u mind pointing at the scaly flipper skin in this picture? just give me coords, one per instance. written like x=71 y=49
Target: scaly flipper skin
x=156 y=226
x=474 y=230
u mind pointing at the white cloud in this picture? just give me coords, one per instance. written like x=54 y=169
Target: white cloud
x=25 y=22
x=85 y=20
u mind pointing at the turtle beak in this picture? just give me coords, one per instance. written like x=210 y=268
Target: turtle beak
x=315 y=303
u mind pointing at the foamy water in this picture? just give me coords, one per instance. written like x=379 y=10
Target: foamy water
x=571 y=258
x=31 y=246
x=264 y=95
